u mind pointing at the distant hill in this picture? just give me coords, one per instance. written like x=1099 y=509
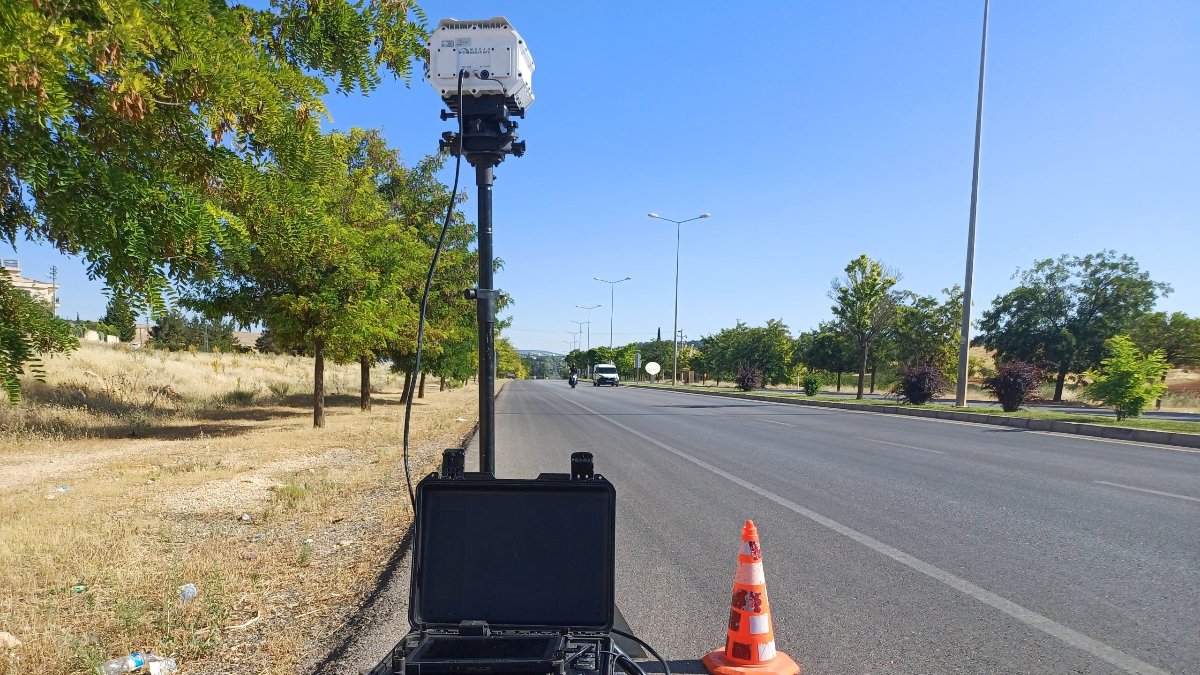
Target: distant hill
x=537 y=352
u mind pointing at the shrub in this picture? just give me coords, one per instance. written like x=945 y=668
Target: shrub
x=1128 y=379
x=748 y=378
x=239 y=396
x=812 y=384
x=281 y=390
x=920 y=383
x=1014 y=383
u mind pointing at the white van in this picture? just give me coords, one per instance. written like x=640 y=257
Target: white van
x=605 y=373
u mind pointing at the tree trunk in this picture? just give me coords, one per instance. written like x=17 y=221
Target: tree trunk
x=873 y=369
x=1158 y=401
x=839 y=385
x=1058 y=385
x=442 y=384
x=318 y=383
x=862 y=370
x=421 y=390
x=364 y=392
x=407 y=386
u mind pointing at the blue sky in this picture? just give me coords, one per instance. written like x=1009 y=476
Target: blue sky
x=813 y=132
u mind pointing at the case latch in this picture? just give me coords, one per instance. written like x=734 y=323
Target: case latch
x=581 y=466
x=453 y=461
x=474 y=629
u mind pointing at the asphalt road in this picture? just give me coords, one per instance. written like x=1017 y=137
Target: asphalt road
x=892 y=544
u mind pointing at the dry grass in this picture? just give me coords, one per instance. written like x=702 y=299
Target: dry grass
x=94 y=571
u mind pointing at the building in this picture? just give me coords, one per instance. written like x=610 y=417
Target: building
x=38 y=290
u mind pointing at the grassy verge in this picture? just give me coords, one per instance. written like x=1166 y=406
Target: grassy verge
x=281 y=528
x=1135 y=423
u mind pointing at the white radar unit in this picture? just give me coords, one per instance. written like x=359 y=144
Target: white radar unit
x=491 y=56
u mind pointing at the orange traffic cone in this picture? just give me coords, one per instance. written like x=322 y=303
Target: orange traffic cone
x=750 y=642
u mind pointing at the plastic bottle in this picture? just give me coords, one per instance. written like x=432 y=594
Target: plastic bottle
x=126 y=664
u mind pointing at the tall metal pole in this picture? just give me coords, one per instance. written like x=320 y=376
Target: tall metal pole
x=675 y=328
x=486 y=313
x=960 y=397
x=612 y=308
x=612 y=300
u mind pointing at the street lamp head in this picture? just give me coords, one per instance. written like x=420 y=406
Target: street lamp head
x=705 y=215
x=653 y=215
x=626 y=279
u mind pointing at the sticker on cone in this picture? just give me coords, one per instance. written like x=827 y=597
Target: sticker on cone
x=750 y=639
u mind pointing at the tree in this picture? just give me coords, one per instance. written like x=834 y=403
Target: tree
x=305 y=264
x=383 y=305
x=1127 y=379
x=767 y=350
x=120 y=315
x=420 y=201
x=1176 y=335
x=28 y=330
x=509 y=361
x=140 y=116
x=1065 y=309
x=864 y=306
x=826 y=349
x=926 y=331
x=177 y=332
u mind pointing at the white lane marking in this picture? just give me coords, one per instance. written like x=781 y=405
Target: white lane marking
x=1153 y=492
x=763 y=419
x=915 y=418
x=1026 y=616
x=899 y=445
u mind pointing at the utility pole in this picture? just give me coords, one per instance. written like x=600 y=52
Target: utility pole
x=54 y=290
x=964 y=347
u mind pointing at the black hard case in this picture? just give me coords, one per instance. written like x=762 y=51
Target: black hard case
x=551 y=504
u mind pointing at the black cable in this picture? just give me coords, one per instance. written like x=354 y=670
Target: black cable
x=412 y=497
x=655 y=654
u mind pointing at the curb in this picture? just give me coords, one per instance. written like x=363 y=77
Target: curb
x=1176 y=438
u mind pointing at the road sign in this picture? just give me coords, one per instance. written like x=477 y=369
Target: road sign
x=653 y=368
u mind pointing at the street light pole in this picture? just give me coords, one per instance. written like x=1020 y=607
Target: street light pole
x=964 y=347
x=612 y=299
x=589 y=322
x=678 y=224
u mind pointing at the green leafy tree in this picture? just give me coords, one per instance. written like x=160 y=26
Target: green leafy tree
x=420 y=200
x=1176 y=335
x=149 y=118
x=509 y=361
x=1127 y=379
x=864 y=306
x=926 y=331
x=29 y=329
x=1065 y=309
x=624 y=358
x=659 y=351
x=305 y=264
x=766 y=350
x=177 y=332
x=383 y=303
x=827 y=350
x=121 y=316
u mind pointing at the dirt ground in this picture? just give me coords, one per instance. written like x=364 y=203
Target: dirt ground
x=282 y=529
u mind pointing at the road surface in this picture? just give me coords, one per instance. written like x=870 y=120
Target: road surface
x=892 y=544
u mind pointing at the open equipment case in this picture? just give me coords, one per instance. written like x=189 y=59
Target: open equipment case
x=510 y=575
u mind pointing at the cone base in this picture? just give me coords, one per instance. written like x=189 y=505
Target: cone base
x=782 y=664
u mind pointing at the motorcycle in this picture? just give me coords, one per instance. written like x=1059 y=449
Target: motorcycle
x=574 y=380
